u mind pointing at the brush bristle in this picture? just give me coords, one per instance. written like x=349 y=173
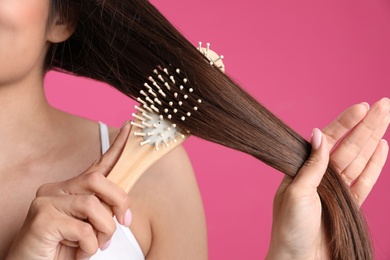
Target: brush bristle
x=167 y=96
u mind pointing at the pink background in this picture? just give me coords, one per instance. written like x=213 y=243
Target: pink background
x=305 y=60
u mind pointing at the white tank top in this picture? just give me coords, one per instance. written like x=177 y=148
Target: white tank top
x=123 y=243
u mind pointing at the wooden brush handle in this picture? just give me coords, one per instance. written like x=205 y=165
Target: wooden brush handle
x=136 y=159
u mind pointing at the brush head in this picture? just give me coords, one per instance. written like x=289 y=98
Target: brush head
x=168 y=96
x=164 y=98
x=155 y=130
x=213 y=58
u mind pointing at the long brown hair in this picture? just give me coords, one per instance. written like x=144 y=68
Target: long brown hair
x=121 y=42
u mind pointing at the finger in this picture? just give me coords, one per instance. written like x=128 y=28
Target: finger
x=48 y=222
x=311 y=173
x=345 y=123
x=364 y=184
x=279 y=195
x=356 y=167
x=94 y=183
x=286 y=181
x=105 y=163
x=354 y=142
x=81 y=232
x=88 y=207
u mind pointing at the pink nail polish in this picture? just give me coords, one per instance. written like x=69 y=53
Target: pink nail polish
x=127 y=218
x=316 y=138
x=106 y=245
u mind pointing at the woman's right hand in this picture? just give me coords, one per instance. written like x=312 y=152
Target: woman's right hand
x=73 y=211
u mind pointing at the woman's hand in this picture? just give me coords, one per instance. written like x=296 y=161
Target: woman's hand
x=71 y=212
x=296 y=228
x=359 y=154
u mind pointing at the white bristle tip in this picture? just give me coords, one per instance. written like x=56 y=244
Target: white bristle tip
x=137 y=125
x=195 y=108
x=191 y=90
x=180 y=103
x=169 y=116
x=183 y=118
x=188 y=114
x=145 y=142
x=171 y=103
x=149 y=100
x=175 y=111
x=161 y=78
x=185 y=96
x=155 y=109
x=146 y=124
x=147 y=116
x=199 y=101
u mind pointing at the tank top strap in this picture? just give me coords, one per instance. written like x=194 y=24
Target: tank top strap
x=104 y=137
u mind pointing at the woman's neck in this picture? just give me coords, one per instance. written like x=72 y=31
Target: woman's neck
x=27 y=121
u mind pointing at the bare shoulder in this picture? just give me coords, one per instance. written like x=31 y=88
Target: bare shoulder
x=173 y=204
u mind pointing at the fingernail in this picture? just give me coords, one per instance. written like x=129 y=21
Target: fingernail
x=316 y=138
x=125 y=123
x=366 y=105
x=106 y=245
x=127 y=218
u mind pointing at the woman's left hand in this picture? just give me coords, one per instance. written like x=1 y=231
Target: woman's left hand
x=359 y=155
x=360 y=152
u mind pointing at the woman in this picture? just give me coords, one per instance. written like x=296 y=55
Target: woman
x=42 y=145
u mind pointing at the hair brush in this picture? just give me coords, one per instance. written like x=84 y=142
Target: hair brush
x=153 y=134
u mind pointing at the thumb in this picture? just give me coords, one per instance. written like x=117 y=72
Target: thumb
x=313 y=170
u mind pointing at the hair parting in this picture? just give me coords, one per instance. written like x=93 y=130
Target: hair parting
x=121 y=42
